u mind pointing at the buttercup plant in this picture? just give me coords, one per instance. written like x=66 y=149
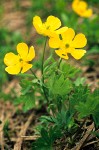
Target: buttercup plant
x=68 y=103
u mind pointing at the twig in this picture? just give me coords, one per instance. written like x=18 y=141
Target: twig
x=91 y=143
x=26 y=138
x=30 y=137
x=82 y=141
x=19 y=141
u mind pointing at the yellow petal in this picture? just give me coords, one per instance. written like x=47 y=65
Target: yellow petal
x=31 y=54
x=49 y=33
x=75 y=4
x=61 y=30
x=61 y=53
x=15 y=69
x=82 y=5
x=53 y=22
x=38 y=24
x=22 y=49
x=68 y=35
x=79 y=41
x=79 y=5
x=54 y=42
x=26 y=67
x=78 y=54
x=88 y=13
x=11 y=59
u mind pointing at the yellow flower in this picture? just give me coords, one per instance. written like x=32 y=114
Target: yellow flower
x=19 y=63
x=48 y=28
x=69 y=44
x=80 y=7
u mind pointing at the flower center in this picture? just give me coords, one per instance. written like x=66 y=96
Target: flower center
x=20 y=60
x=66 y=45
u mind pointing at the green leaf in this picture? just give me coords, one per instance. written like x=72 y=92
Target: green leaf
x=48 y=70
x=79 y=94
x=58 y=85
x=48 y=137
x=68 y=70
x=28 y=101
x=90 y=106
x=79 y=81
x=49 y=60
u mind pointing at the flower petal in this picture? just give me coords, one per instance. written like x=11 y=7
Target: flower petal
x=61 y=53
x=31 y=54
x=82 y=5
x=78 y=54
x=49 y=33
x=22 y=49
x=88 y=13
x=79 y=6
x=15 y=69
x=79 y=41
x=53 y=22
x=11 y=59
x=54 y=42
x=61 y=30
x=68 y=35
x=26 y=67
x=38 y=24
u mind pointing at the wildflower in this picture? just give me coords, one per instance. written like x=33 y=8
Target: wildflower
x=48 y=28
x=69 y=44
x=80 y=7
x=19 y=63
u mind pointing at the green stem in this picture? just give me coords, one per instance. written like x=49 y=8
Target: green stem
x=60 y=60
x=42 y=70
x=34 y=74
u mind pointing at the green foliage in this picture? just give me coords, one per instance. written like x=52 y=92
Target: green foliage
x=63 y=120
x=79 y=94
x=27 y=98
x=48 y=137
x=28 y=101
x=68 y=70
x=58 y=85
x=90 y=106
x=79 y=81
x=81 y=103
